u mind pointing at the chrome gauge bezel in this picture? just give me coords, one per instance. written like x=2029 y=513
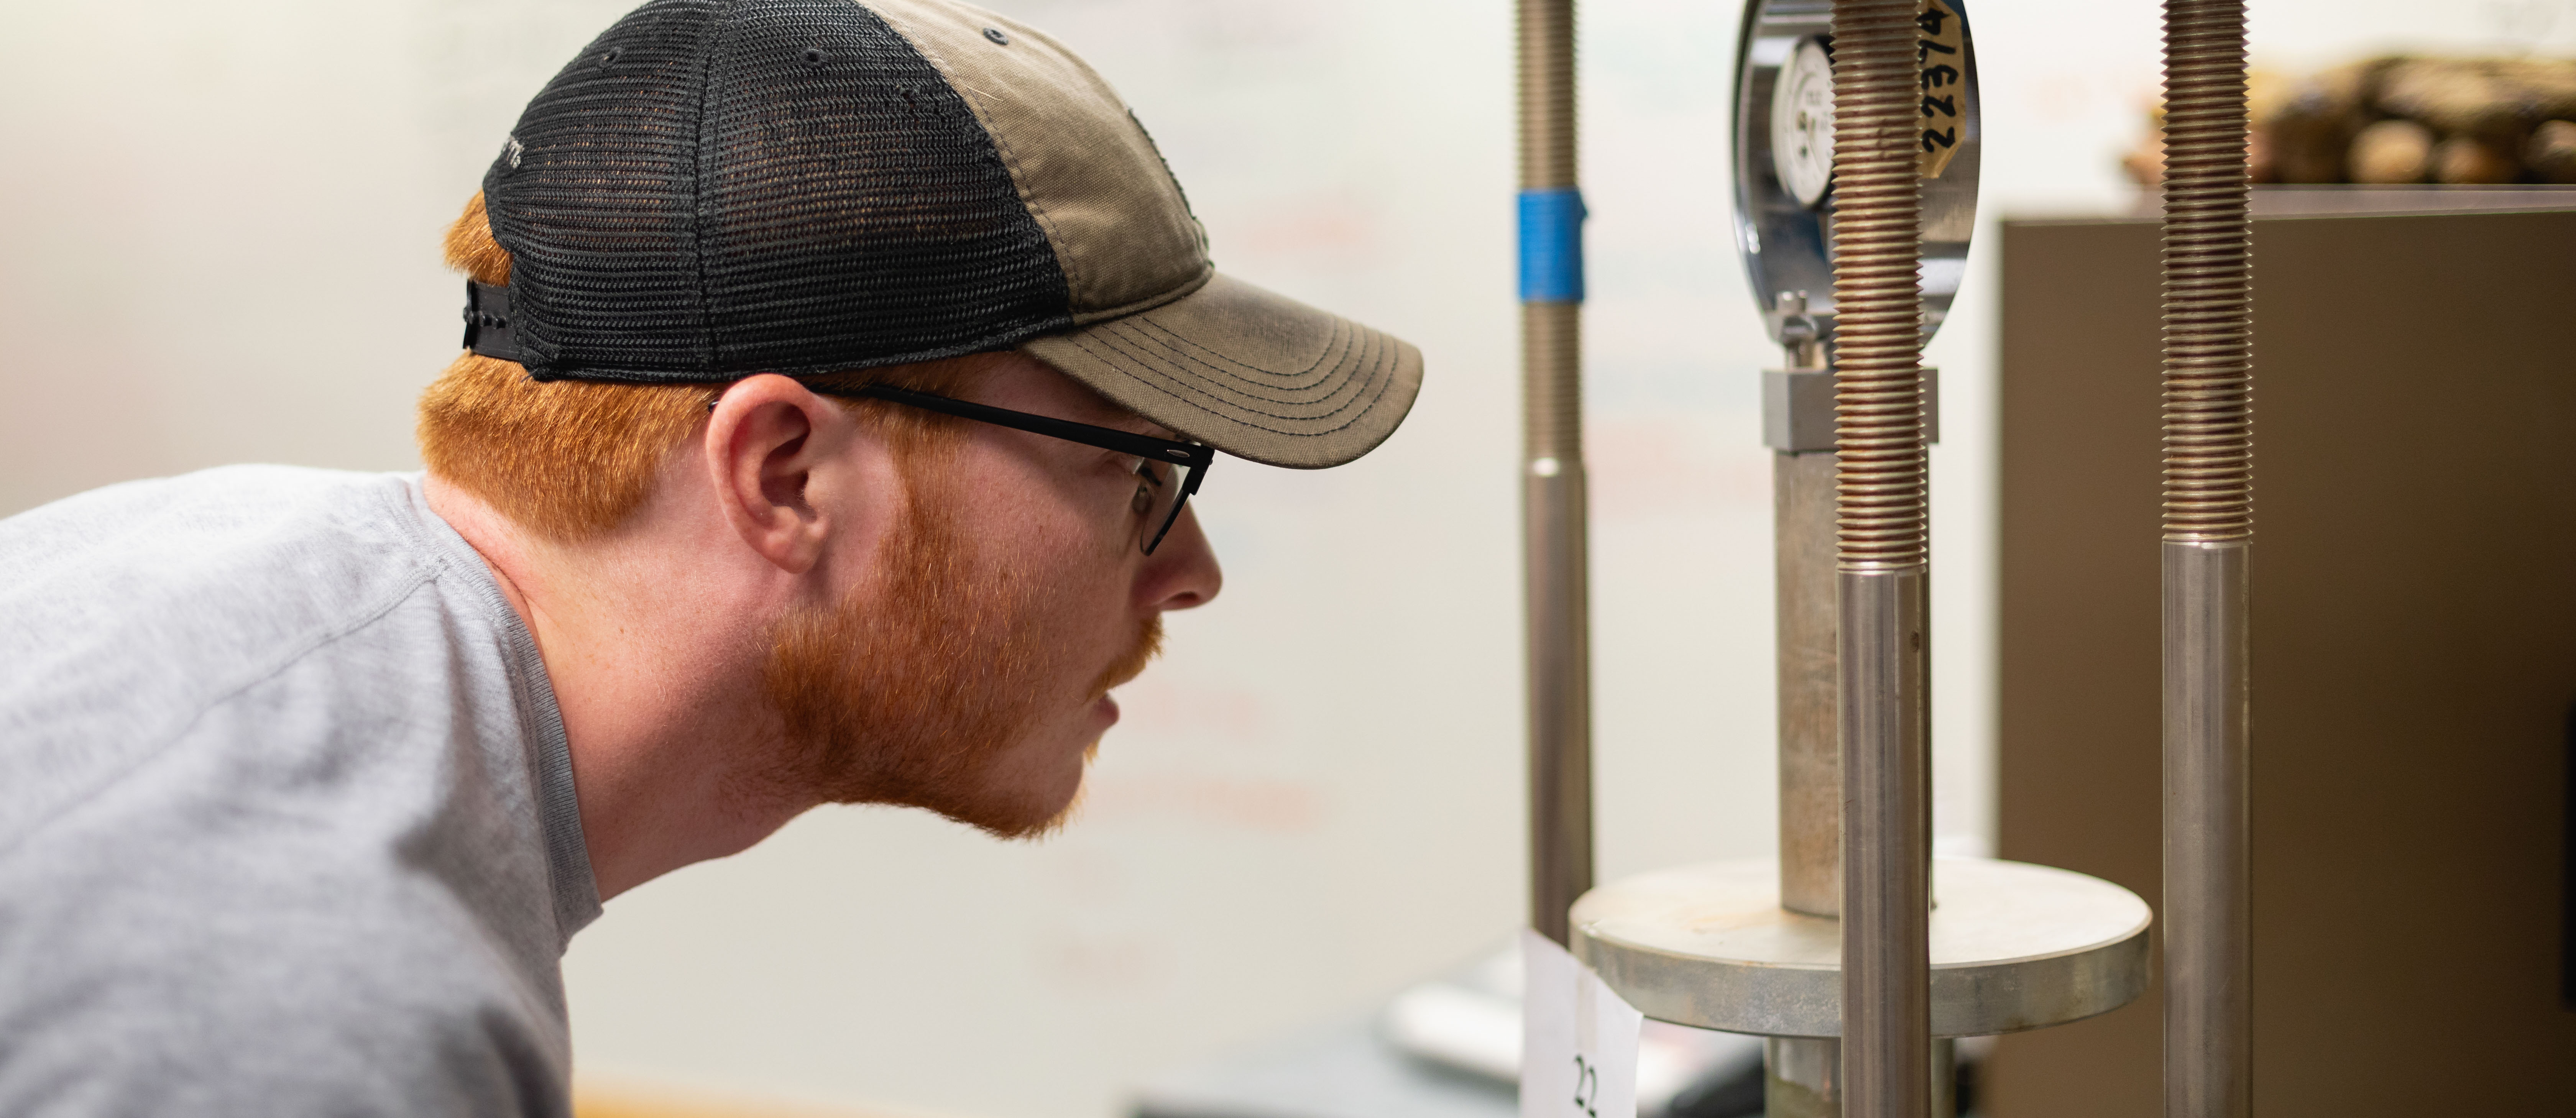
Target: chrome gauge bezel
x=1783 y=242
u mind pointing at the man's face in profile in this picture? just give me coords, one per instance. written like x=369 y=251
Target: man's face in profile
x=971 y=676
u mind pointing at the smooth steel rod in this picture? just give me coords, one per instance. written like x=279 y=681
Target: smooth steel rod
x=1553 y=512
x=1883 y=536
x=2208 y=553
x=2207 y=917
x=1887 y=836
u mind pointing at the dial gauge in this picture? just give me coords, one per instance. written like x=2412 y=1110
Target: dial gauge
x=1783 y=162
x=1802 y=124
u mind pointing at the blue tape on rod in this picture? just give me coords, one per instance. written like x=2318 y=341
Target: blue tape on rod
x=1552 y=245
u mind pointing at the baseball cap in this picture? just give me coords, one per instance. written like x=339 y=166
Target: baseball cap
x=716 y=189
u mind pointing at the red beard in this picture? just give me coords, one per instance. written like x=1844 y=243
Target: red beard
x=914 y=700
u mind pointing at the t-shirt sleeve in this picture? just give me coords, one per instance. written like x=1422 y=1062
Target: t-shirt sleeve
x=271 y=840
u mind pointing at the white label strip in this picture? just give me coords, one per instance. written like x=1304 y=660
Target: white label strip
x=1578 y=1039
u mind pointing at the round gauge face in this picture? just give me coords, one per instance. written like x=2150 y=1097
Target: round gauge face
x=1802 y=124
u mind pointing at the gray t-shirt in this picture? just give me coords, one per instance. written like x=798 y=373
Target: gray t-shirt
x=287 y=823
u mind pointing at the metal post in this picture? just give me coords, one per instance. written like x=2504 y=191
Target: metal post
x=2208 y=550
x=1811 y=782
x=2207 y=910
x=1552 y=485
x=1887 y=967
x=1802 y=1075
x=1882 y=561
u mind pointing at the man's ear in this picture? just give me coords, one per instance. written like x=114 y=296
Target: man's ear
x=765 y=440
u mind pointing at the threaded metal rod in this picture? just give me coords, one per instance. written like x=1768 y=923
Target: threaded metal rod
x=1554 y=573
x=1882 y=536
x=1877 y=248
x=2208 y=307
x=1552 y=381
x=2208 y=531
x=1547 y=93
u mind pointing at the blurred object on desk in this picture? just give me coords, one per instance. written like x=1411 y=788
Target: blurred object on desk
x=1450 y=1048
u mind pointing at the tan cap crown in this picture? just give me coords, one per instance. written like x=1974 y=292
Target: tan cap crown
x=717 y=188
x=1085 y=168
x=1242 y=369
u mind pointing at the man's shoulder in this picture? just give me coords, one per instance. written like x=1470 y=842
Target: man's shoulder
x=130 y=611
x=196 y=516
x=270 y=836
x=229 y=527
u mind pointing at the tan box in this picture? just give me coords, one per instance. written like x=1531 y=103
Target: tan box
x=2414 y=650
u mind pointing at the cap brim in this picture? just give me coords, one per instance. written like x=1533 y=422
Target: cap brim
x=1252 y=373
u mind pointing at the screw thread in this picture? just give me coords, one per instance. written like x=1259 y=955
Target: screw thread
x=1881 y=500
x=2208 y=294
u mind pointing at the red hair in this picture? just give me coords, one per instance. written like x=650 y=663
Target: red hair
x=570 y=460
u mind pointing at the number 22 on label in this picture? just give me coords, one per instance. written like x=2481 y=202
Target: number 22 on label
x=1587 y=1087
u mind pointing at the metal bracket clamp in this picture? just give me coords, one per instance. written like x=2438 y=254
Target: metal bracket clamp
x=1798 y=409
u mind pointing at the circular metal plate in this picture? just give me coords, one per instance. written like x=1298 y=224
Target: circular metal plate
x=1782 y=235
x=2014 y=947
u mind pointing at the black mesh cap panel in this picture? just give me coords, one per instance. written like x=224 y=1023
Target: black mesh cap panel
x=717 y=189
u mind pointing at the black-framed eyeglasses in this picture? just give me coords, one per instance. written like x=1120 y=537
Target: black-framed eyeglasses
x=1167 y=472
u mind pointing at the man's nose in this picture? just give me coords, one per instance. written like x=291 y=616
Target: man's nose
x=1182 y=573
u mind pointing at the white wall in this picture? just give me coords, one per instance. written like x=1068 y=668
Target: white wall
x=223 y=248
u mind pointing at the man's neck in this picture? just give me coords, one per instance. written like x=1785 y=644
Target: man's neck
x=659 y=691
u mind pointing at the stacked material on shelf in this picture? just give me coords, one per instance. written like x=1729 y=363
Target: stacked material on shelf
x=2400 y=119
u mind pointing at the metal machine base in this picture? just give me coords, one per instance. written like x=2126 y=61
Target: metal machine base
x=2014 y=947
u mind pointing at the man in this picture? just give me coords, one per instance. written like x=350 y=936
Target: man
x=838 y=377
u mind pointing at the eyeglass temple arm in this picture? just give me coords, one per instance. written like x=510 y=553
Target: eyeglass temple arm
x=1189 y=488
x=1108 y=438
